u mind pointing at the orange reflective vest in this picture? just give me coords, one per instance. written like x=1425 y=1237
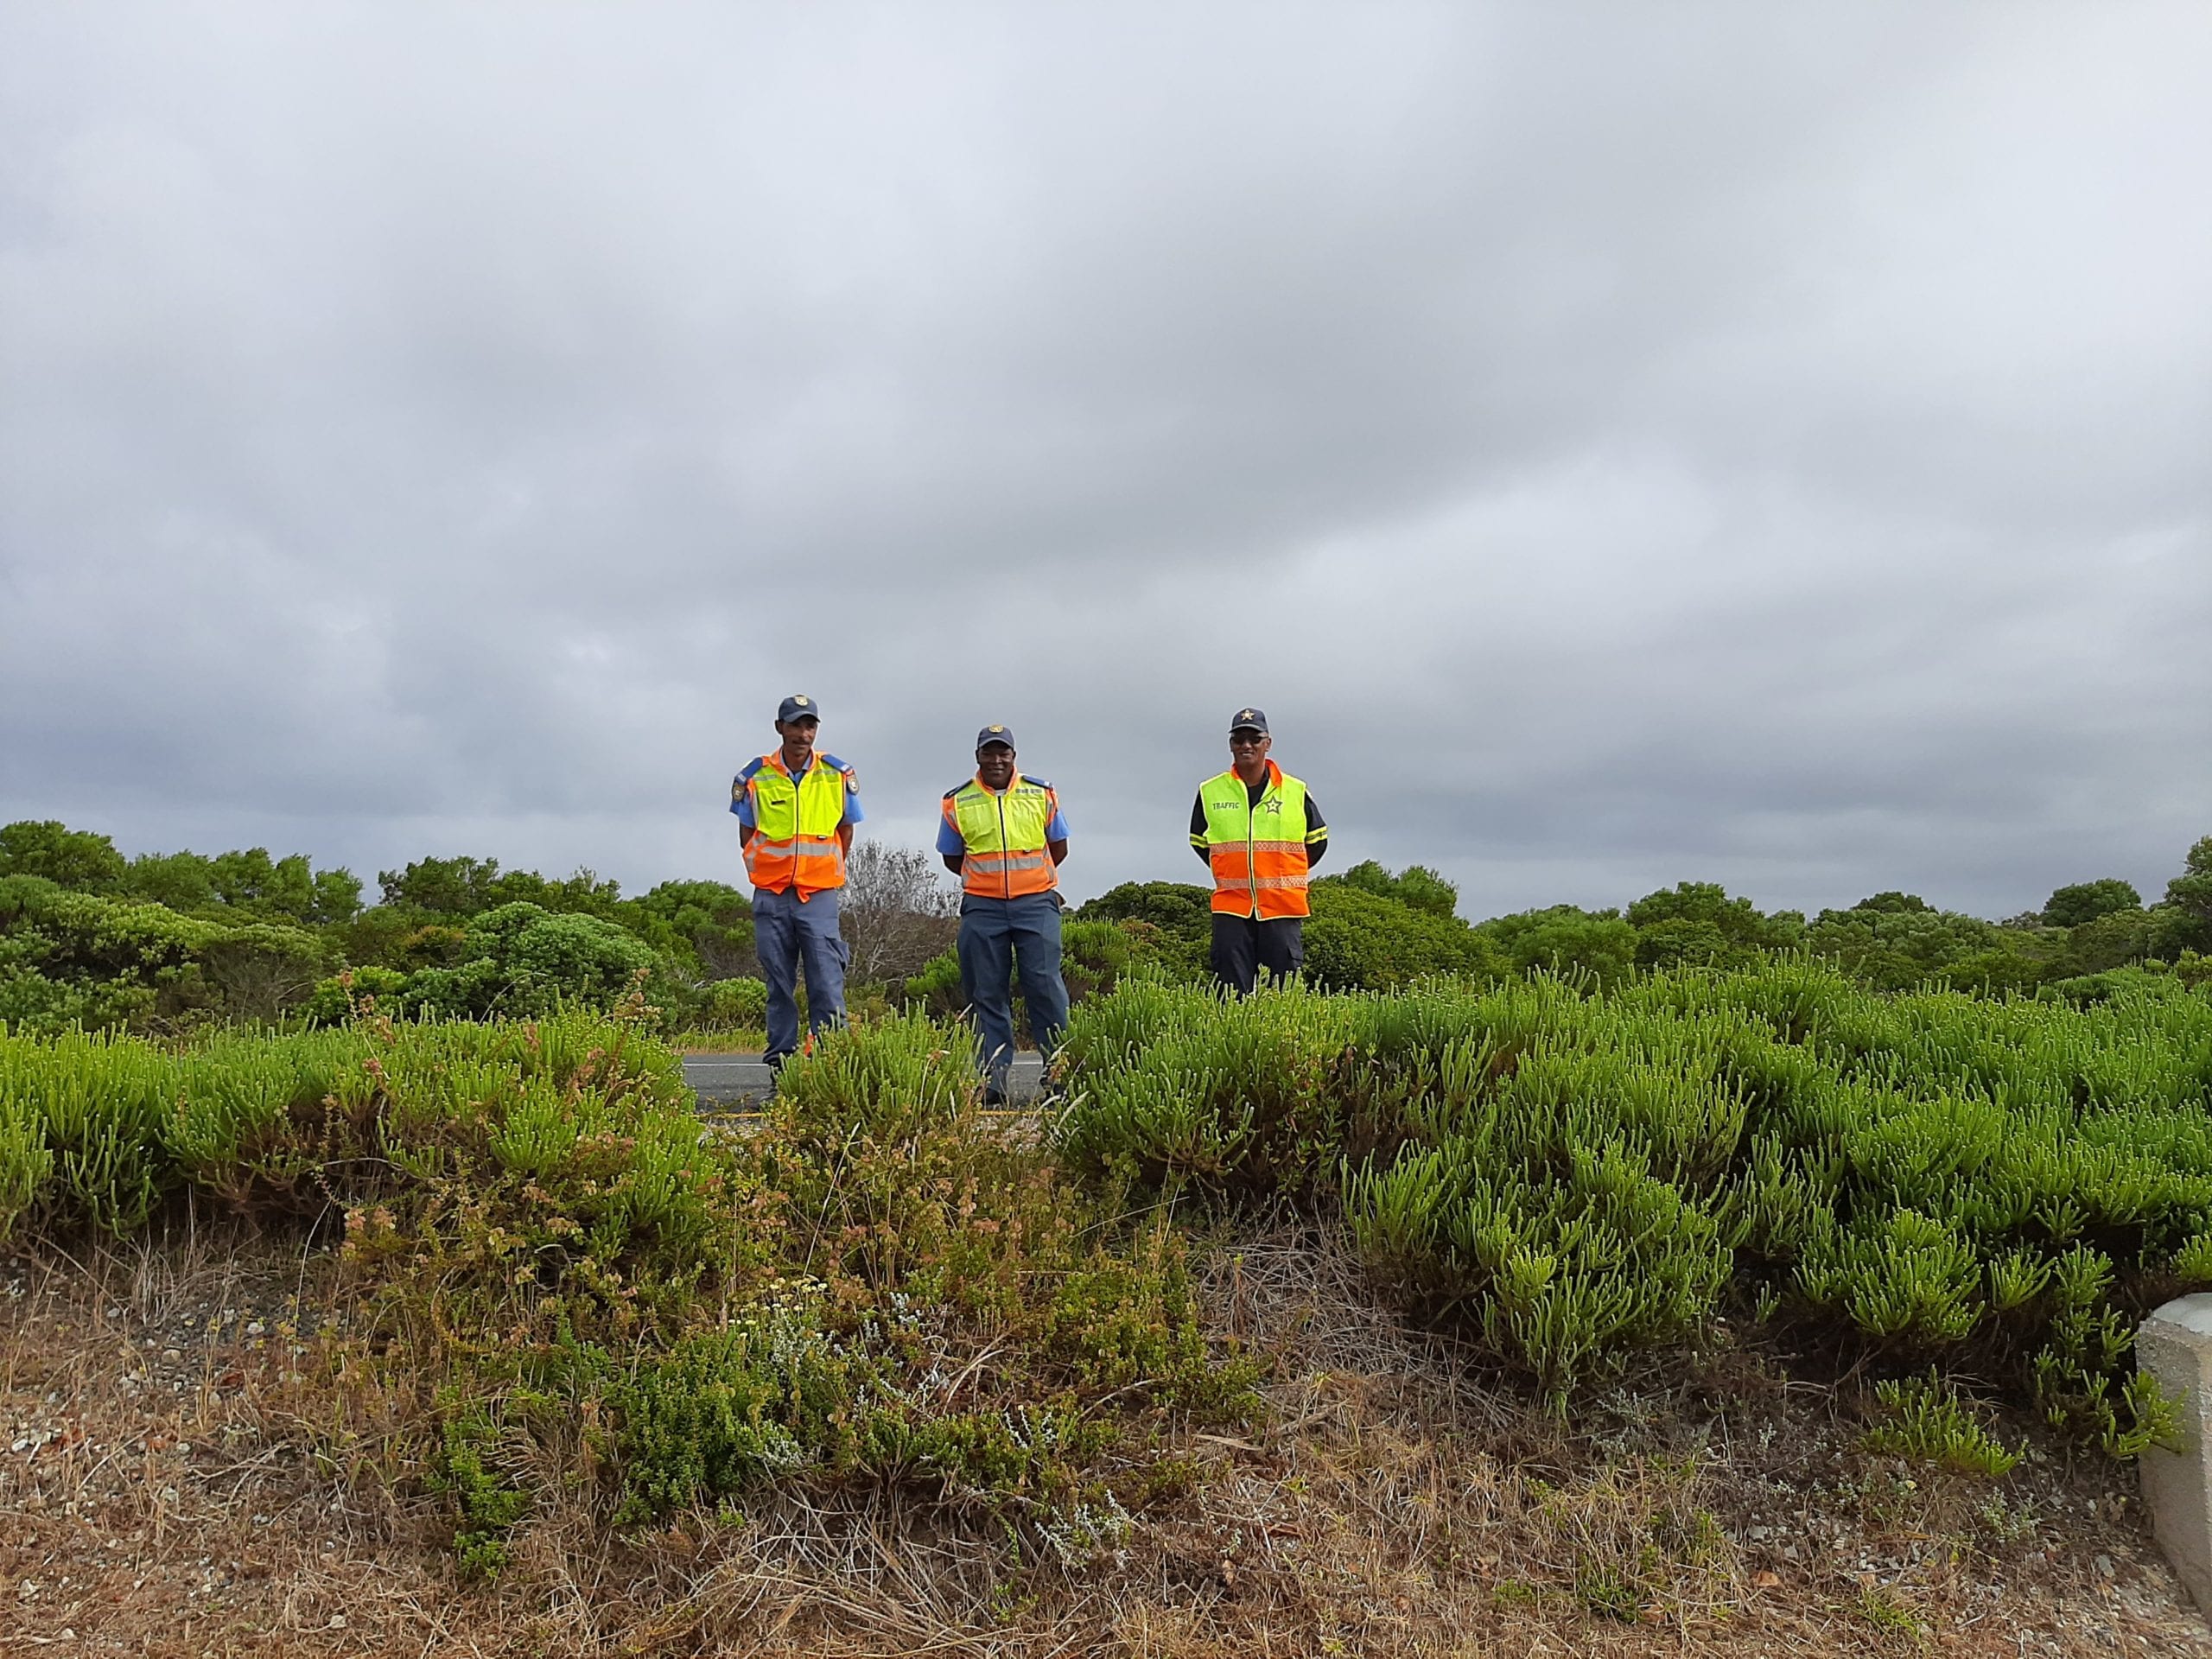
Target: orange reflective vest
x=795 y=841
x=1258 y=850
x=1004 y=836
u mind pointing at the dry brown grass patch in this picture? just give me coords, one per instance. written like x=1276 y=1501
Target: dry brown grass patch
x=180 y=1474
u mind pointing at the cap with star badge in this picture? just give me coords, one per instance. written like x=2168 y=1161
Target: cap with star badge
x=991 y=735
x=792 y=709
x=1248 y=720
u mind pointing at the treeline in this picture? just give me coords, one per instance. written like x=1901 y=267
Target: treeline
x=167 y=941
x=1372 y=930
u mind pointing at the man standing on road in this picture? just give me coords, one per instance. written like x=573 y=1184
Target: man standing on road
x=796 y=811
x=1260 y=833
x=1003 y=835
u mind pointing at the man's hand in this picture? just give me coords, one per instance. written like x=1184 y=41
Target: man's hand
x=954 y=861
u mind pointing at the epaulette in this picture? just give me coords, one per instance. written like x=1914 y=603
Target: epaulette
x=750 y=766
x=835 y=764
x=957 y=787
x=1038 y=782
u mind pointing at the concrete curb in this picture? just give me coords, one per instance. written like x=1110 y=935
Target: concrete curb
x=2175 y=1346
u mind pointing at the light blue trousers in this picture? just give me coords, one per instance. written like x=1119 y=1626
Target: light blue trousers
x=787 y=937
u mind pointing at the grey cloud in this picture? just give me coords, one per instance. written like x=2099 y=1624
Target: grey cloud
x=1616 y=446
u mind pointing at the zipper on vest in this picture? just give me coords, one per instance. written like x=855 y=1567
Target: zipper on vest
x=1005 y=853
x=1251 y=849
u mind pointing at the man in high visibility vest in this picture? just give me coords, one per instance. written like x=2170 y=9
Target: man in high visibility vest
x=796 y=811
x=1260 y=833
x=1002 y=834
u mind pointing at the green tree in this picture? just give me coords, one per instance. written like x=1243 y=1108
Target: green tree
x=1698 y=922
x=444 y=886
x=2085 y=902
x=76 y=859
x=183 y=881
x=2190 y=894
x=1894 y=903
x=1566 y=940
x=582 y=893
x=704 y=925
x=1895 y=948
x=2112 y=939
x=337 y=897
x=1417 y=885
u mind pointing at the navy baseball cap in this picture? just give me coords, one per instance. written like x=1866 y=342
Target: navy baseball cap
x=991 y=735
x=797 y=708
x=1253 y=720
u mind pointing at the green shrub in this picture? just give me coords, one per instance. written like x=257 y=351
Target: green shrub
x=520 y=959
x=734 y=1005
x=100 y=1103
x=1358 y=940
x=1923 y=1418
x=1571 y=1177
x=1169 y=925
x=488 y=1503
x=334 y=1000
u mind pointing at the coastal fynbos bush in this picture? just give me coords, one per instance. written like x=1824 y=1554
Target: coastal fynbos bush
x=1571 y=1177
x=1924 y=1418
x=543 y=1252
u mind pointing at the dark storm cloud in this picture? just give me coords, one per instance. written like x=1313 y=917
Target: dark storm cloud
x=1750 y=444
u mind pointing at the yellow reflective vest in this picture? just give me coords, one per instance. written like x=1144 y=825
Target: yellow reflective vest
x=795 y=841
x=1256 y=850
x=1003 y=837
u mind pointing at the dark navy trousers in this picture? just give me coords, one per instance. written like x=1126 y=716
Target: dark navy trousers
x=1002 y=939
x=1245 y=947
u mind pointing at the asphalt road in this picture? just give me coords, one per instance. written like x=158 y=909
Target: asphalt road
x=742 y=1079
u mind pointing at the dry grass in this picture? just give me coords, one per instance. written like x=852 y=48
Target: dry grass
x=181 y=1474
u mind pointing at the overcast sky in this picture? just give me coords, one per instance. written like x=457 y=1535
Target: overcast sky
x=1616 y=444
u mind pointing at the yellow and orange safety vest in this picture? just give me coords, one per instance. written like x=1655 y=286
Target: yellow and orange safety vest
x=1257 y=849
x=795 y=821
x=1003 y=833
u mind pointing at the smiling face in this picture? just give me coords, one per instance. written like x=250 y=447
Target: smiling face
x=994 y=765
x=798 y=740
x=1248 y=753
